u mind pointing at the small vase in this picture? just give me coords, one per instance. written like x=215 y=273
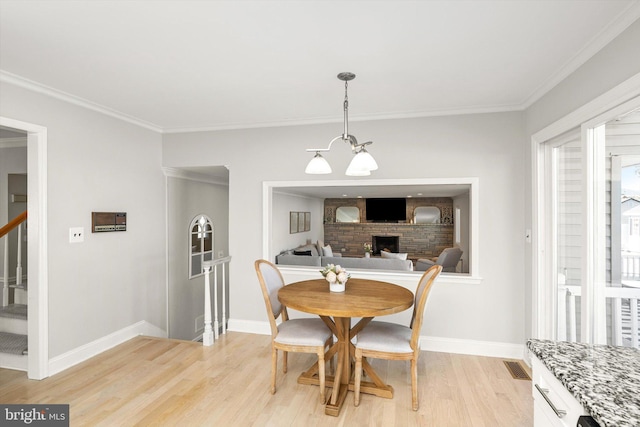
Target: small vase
x=337 y=286
x=367 y=255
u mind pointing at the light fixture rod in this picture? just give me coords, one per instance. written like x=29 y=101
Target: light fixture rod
x=345 y=104
x=325 y=149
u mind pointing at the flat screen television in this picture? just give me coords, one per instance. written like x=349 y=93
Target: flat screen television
x=386 y=210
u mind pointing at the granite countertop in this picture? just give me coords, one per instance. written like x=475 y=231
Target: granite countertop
x=604 y=379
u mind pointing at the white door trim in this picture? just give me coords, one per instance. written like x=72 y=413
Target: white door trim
x=38 y=313
x=541 y=310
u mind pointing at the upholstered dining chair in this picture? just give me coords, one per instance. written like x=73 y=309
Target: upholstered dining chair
x=390 y=341
x=295 y=335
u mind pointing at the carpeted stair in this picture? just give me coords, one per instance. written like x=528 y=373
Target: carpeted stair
x=13 y=343
x=14 y=311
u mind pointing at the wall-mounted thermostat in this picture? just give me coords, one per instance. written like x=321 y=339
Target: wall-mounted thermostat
x=108 y=221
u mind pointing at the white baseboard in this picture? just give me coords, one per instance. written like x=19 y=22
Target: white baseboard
x=13 y=361
x=472 y=347
x=439 y=344
x=84 y=352
x=249 y=326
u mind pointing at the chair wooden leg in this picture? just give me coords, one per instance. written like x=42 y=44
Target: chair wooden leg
x=358 y=377
x=332 y=363
x=414 y=383
x=321 y=363
x=274 y=368
x=284 y=361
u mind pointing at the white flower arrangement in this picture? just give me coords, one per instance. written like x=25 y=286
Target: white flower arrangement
x=335 y=273
x=367 y=248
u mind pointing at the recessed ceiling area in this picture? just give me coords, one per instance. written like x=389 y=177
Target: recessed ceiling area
x=377 y=191
x=175 y=66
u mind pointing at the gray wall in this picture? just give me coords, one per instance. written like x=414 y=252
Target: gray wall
x=284 y=203
x=185 y=200
x=98 y=163
x=488 y=146
x=615 y=63
x=462 y=203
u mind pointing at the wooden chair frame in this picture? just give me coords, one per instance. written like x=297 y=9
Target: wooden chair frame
x=416 y=326
x=285 y=348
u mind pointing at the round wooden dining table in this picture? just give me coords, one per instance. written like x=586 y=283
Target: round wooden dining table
x=362 y=298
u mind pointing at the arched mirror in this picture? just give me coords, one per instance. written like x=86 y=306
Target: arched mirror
x=347 y=214
x=426 y=215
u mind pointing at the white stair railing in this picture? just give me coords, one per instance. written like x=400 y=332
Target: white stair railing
x=6 y=267
x=5 y=275
x=19 y=256
x=621 y=324
x=4 y=233
x=211 y=333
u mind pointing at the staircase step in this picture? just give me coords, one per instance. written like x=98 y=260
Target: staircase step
x=13 y=319
x=14 y=311
x=14 y=361
x=22 y=285
x=13 y=343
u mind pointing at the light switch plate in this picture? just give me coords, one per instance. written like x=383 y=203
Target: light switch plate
x=76 y=234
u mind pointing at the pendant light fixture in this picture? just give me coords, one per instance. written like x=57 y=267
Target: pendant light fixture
x=362 y=163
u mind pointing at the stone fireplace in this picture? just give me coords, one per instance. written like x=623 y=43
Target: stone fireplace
x=382 y=243
x=417 y=240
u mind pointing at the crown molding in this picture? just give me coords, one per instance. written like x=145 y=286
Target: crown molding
x=31 y=85
x=354 y=118
x=55 y=93
x=624 y=19
x=193 y=176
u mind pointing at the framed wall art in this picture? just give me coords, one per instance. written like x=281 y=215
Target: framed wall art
x=299 y=222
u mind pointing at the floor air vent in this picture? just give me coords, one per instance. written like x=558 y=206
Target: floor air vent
x=517 y=371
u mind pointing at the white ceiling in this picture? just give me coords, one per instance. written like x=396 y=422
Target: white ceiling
x=190 y=65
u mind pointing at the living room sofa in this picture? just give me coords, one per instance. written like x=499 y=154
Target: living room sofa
x=346 y=262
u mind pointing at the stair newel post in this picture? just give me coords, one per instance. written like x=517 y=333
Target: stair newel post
x=5 y=278
x=207 y=336
x=216 y=326
x=224 y=299
x=19 y=259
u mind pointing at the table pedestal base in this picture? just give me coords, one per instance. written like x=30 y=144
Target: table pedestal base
x=310 y=377
x=363 y=299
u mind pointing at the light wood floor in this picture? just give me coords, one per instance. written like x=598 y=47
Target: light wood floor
x=150 y=381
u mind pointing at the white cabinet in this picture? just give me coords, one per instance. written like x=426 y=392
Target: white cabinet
x=553 y=404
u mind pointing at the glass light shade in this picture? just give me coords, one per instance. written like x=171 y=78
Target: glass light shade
x=351 y=172
x=368 y=160
x=362 y=164
x=318 y=166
